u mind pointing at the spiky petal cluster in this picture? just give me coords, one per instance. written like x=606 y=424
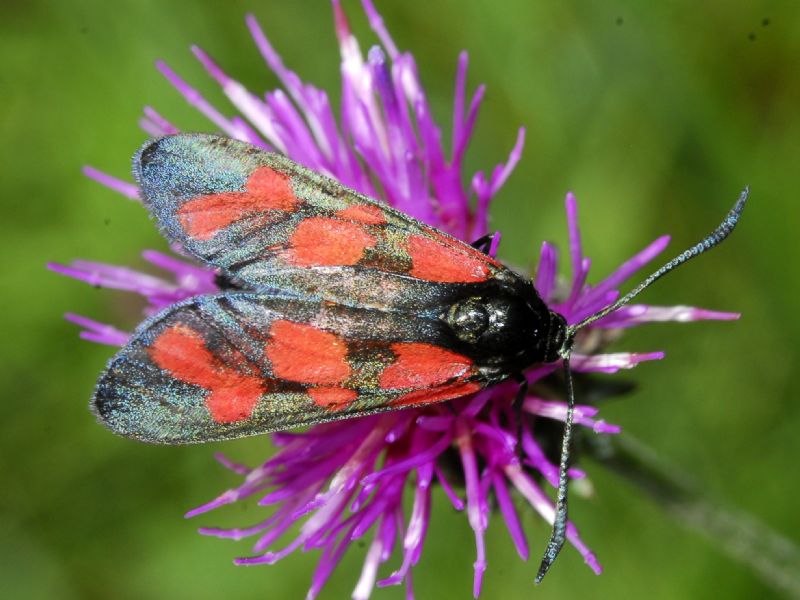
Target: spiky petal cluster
x=346 y=480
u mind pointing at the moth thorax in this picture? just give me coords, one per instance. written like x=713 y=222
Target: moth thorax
x=500 y=326
x=468 y=319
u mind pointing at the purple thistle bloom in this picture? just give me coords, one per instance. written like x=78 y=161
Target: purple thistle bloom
x=346 y=480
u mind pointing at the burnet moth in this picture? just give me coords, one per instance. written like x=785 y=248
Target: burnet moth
x=332 y=306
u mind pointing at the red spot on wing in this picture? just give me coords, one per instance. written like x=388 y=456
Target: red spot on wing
x=181 y=351
x=442 y=261
x=235 y=399
x=419 y=365
x=303 y=353
x=368 y=214
x=266 y=190
x=332 y=398
x=320 y=241
x=447 y=392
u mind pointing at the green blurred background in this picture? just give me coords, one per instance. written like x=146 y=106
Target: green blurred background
x=655 y=114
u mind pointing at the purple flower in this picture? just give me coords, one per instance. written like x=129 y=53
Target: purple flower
x=346 y=480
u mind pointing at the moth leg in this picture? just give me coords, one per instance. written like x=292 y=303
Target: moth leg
x=519 y=401
x=483 y=243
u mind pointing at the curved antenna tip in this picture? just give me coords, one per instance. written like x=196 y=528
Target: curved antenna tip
x=716 y=237
x=741 y=201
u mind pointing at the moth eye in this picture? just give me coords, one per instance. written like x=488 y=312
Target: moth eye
x=468 y=319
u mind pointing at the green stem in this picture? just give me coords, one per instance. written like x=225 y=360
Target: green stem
x=774 y=559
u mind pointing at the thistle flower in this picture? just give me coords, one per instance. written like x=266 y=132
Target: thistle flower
x=346 y=480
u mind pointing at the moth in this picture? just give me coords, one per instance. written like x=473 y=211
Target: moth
x=332 y=306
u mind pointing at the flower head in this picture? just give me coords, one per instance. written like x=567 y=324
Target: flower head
x=346 y=480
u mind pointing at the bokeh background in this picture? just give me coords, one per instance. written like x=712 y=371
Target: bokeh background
x=655 y=114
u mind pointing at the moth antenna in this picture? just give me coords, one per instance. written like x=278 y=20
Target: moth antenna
x=722 y=231
x=558 y=535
